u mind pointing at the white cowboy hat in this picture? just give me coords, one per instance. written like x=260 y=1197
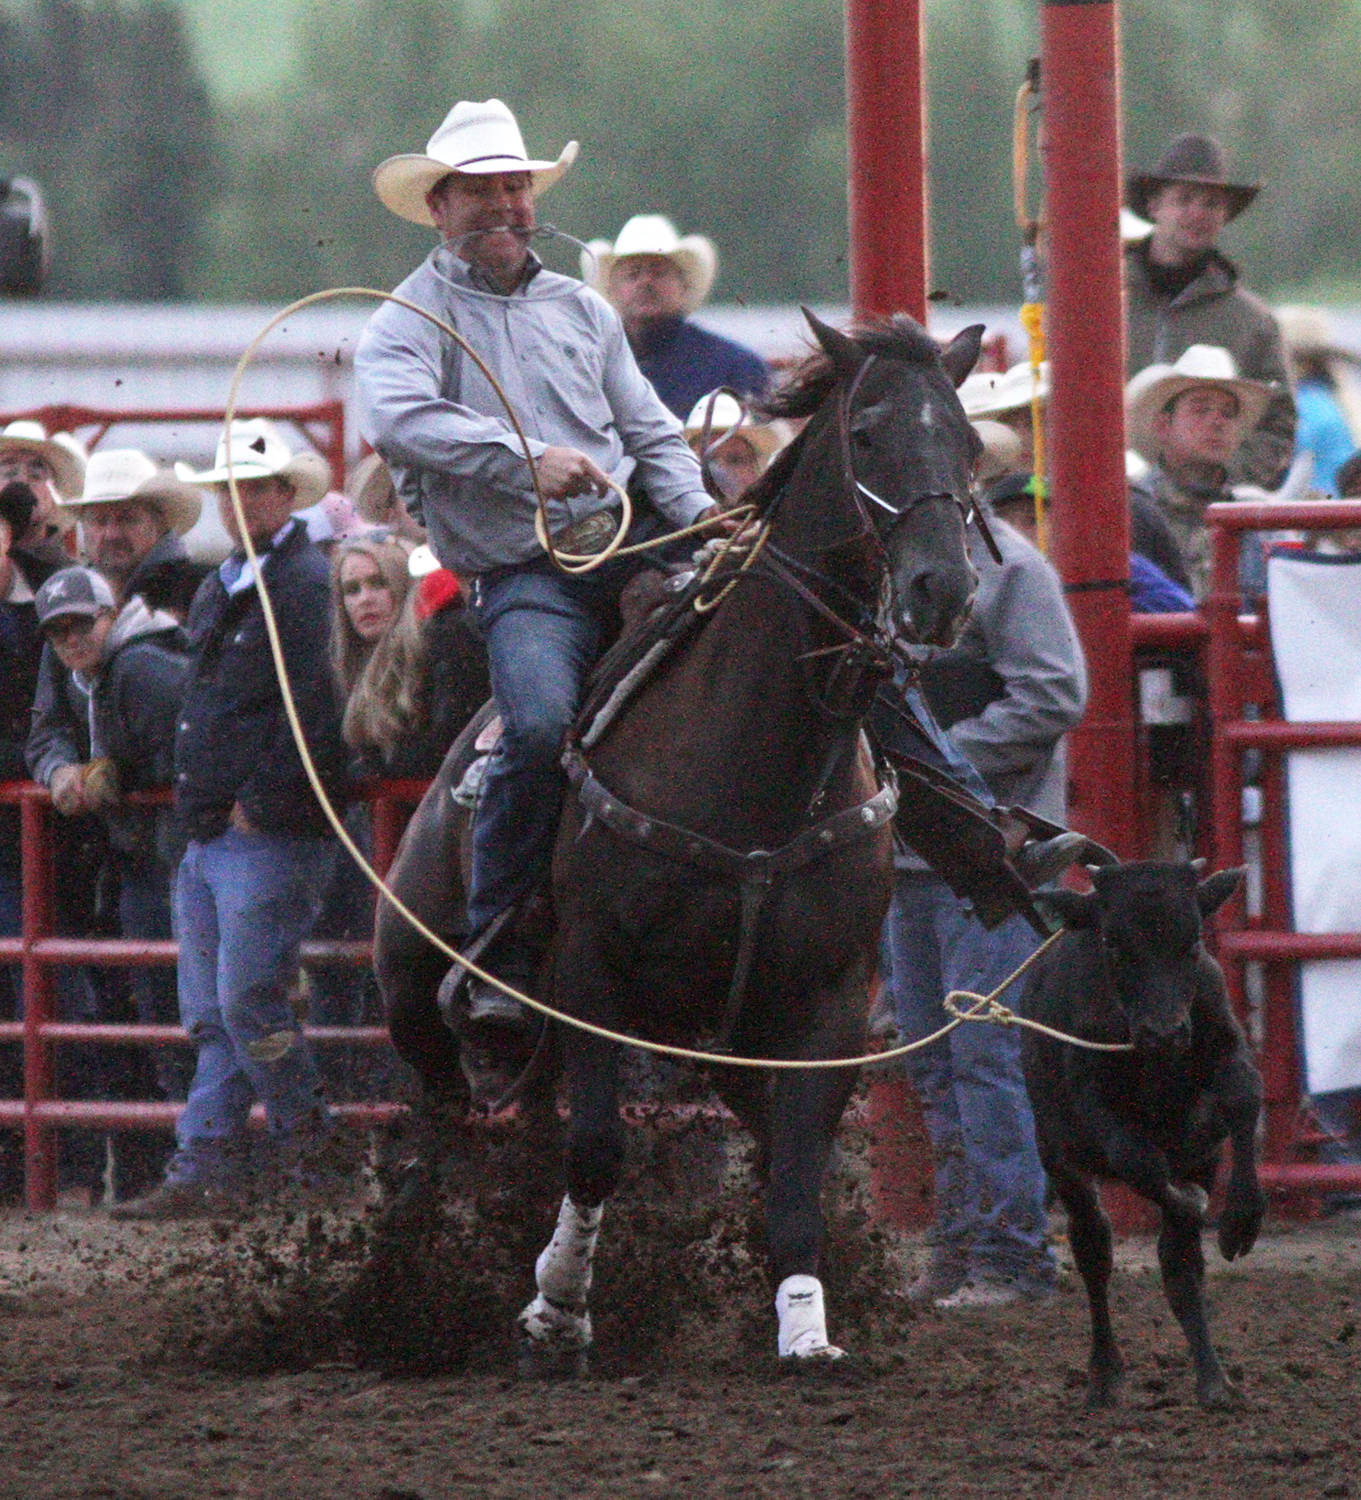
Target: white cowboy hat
x=115 y=474
x=258 y=451
x=478 y=138
x=989 y=394
x=1155 y=386
x=62 y=453
x=654 y=234
x=766 y=438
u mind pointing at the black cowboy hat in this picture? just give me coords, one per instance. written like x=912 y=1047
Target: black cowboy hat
x=1190 y=158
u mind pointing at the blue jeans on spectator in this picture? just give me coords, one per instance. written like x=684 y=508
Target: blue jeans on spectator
x=243 y=905
x=544 y=632
x=989 y=1184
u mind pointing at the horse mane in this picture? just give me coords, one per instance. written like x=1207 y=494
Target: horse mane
x=897 y=337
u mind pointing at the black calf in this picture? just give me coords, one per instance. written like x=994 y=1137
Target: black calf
x=1133 y=968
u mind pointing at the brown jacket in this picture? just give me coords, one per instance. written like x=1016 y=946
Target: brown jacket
x=1215 y=309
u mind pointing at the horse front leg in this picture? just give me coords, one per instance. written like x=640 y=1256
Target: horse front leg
x=555 y=1327
x=806 y=1111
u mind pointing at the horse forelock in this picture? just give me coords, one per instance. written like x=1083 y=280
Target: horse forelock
x=898 y=338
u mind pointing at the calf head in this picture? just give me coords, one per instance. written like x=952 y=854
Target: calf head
x=1148 y=917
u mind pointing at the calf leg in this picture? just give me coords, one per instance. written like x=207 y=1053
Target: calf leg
x=1089 y=1234
x=1182 y=1264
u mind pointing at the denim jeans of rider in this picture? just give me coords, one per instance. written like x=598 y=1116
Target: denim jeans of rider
x=243 y=905
x=544 y=631
x=990 y=1217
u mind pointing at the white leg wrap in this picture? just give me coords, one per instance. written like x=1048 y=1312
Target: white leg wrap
x=554 y=1328
x=563 y=1269
x=803 y=1320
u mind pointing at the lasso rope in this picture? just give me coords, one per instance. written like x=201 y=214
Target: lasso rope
x=981 y=1008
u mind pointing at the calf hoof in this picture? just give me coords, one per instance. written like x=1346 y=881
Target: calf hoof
x=1220 y=1395
x=1238 y=1227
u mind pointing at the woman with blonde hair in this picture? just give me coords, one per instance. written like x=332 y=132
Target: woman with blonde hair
x=405 y=657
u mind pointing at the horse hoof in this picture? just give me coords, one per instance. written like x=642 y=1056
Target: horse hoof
x=1221 y=1395
x=553 y=1363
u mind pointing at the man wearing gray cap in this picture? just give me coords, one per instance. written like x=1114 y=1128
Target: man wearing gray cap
x=103 y=726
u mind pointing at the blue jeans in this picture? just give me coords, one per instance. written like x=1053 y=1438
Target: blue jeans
x=243 y=905
x=989 y=1184
x=544 y=632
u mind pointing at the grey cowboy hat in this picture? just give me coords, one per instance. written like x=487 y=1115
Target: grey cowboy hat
x=1190 y=158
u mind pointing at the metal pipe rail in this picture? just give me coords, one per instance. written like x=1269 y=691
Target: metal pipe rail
x=38 y=951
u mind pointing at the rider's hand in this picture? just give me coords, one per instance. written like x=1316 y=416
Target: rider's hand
x=564 y=472
x=724 y=522
x=68 y=790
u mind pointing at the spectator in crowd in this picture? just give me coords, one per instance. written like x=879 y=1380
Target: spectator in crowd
x=733 y=452
x=1009 y=399
x=53 y=468
x=593 y=419
x=20 y=651
x=410 y=665
x=1181 y=290
x=377 y=502
x=103 y=726
x=258 y=857
x=657 y=279
x=1005 y=695
x=1327 y=397
x=132 y=515
x=1188 y=419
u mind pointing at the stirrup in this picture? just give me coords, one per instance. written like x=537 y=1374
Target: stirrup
x=452 y=998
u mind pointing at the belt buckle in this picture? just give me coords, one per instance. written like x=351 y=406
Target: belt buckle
x=588 y=536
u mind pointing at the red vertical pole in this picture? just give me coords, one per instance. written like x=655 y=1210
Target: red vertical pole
x=40 y=1141
x=886 y=138
x=1080 y=76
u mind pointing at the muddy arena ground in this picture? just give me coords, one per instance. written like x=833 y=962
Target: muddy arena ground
x=309 y=1354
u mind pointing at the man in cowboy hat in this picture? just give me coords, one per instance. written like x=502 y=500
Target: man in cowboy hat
x=1188 y=420
x=1180 y=289
x=132 y=514
x=656 y=279
x=258 y=855
x=591 y=420
x=39 y=472
x=736 y=452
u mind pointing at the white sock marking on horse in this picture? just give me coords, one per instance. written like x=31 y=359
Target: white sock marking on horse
x=563 y=1269
x=803 y=1320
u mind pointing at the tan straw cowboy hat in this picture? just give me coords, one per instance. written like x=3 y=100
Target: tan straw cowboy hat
x=62 y=453
x=478 y=138
x=1156 y=386
x=116 y=474
x=766 y=438
x=654 y=234
x=989 y=394
x=257 y=450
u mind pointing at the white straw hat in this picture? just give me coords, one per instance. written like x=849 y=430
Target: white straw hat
x=766 y=438
x=257 y=450
x=654 y=234
x=1150 y=391
x=116 y=474
x=989 y=394
x=478 y=138
x=62 y=453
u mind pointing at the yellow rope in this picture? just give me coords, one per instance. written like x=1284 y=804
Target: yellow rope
x=342 y=833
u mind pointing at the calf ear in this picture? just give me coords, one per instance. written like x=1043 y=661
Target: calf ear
x=1070 y=908
x=1215 y=890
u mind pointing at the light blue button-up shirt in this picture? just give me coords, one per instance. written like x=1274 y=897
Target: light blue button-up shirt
x=560 y=353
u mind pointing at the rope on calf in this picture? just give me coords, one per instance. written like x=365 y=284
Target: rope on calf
x=993 y=1012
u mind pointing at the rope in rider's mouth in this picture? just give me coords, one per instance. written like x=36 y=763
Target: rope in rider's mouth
x=986 y=1008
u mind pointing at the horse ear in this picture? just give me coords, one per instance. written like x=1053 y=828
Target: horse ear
x=845 y=354
x=960 y=355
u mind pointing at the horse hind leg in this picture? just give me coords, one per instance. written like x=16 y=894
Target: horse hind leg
x=555 y=1328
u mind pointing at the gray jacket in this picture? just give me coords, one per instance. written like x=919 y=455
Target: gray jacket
x=1020 y=630
x=1215 y=309
x=560 y=353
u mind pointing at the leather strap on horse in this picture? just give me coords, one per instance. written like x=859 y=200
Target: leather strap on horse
x=755 y=871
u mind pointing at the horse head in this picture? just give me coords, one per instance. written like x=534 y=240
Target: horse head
x=899 y=453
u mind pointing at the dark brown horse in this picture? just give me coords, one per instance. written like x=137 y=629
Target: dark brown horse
x=730 y=820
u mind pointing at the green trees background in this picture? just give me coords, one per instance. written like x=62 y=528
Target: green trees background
x=165 y=183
